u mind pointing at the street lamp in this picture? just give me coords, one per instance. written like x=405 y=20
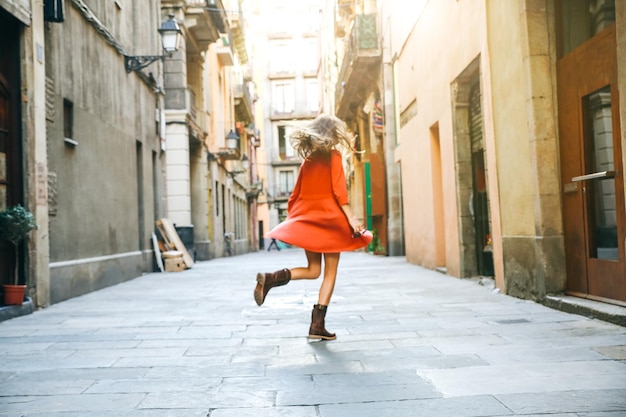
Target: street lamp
x=170 y=38
x=232 y=140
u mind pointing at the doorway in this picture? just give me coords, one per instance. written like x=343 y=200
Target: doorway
x=479 y=204
x=438 y=203
x=591 y=154
x=10 y=144
x=471 y=174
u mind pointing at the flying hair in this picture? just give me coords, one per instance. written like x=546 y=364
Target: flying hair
x=322 y=135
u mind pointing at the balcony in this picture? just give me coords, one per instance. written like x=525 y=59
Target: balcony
x=214 y=11
x=239 y=40
x=281 y=194
x=243 y=103
x=200 y=24
x=225 y=154
x=360 y=67
x=224 y=50
x=254 y=190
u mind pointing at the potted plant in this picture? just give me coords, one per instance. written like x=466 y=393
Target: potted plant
x=375 y=245
x=15 y=224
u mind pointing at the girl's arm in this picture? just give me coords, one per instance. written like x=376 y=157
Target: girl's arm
x=354 y=222
x=341 y=192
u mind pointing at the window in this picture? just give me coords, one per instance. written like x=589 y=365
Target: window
x=312 y=95
x=68 y=119
x=286 y=183
x=282 y=20
x=285 y=150
x=312 y=20
x=68 y=123
x=217 y=199
x=283 y=96
x=53 y=11
x=281 y=58
x=310 y=55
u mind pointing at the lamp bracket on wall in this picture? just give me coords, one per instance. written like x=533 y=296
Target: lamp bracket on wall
x=135 y=63
x=170 y=40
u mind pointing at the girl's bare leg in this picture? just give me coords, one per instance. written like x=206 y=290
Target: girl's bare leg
x=331 y=262
x=313 y=269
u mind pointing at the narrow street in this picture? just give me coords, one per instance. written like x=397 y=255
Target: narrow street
x=410 y=342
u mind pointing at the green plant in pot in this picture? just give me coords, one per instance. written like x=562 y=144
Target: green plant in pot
x=376 y=245
x=15 y=224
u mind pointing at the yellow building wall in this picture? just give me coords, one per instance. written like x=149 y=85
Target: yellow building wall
x=510 y=120
x=447 y=37
x=522 y=63
x=511 y=47
x=511 y=154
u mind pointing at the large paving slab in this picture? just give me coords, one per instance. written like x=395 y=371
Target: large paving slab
x=411 y=342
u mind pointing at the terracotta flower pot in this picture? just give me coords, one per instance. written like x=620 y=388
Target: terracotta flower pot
x=14 y=294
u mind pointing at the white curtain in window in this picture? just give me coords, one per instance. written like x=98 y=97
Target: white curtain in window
x=283 y=97
x=286 y=182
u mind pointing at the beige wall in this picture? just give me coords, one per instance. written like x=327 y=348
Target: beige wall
x=522 y=63
x=100 y=231
x=37 y=164
x=427 y=65
x=509 y=46
x=510 y=122
x=511 y=151
x=513 y=46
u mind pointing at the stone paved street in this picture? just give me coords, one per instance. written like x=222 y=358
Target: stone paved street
x=411 y=342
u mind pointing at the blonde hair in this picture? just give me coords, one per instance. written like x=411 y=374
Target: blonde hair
x=321 y=136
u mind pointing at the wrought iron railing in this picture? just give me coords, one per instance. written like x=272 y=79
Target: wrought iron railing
x=242 y=92
x=362 y=45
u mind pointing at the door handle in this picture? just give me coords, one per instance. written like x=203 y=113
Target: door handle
x=594 y=176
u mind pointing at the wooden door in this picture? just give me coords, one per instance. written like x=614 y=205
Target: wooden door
x=591 y=169
x=480 y=196
x=10 y=146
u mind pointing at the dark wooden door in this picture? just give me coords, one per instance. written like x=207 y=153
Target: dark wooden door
x=10 y=149
x=480 y=197
x=591 y=169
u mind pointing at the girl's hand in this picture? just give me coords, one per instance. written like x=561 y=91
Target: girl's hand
x=355 y=224
x=357 y=227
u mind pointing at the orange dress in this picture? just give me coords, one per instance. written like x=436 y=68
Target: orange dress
x=315 y=220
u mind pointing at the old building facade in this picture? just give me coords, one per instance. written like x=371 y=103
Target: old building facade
x=208 y=115
x=359 y=100
x=84 y=151
x=232 y=142
x=288 y=74
x=493 y=134
x=509 y=133
x=23 y=154
x=103 y=131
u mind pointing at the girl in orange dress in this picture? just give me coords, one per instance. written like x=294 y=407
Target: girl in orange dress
x=319 y=217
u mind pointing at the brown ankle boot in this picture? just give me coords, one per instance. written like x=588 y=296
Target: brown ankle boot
x=317 y=329
x=265 y=282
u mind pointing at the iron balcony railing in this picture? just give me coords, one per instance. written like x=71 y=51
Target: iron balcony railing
x=362 y=50
x=243 y=102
